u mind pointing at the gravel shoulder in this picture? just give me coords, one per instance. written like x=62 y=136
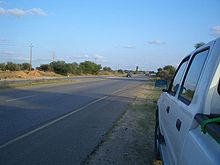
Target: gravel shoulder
x=131 y=140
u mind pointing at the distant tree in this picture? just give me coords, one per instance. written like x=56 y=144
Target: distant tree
x=120 y=71
x=171 y=69
x=12 y=66
x=60 y=67
x=107 y=69
x=166 y=72
x=159 y=69
x=45 y=67
x=25 y=66
x=73 y=68
x=2 y=66
x=89 y=67
x=199 y=44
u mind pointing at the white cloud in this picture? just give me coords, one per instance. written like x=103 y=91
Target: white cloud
x=37 y=11
x=5 y=41
x=129 y=46
x=215 y=31
x=156 y=42
x=21 y=12
x=2 y=11
x=97 y=57
x=6 y=52
x=84 y=56
x=41 y=59
x=16 y=12
x=8 y=55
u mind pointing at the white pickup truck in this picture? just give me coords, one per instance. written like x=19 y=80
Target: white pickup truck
x=187 y=130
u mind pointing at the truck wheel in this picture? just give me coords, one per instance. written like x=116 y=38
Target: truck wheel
x=157 y=135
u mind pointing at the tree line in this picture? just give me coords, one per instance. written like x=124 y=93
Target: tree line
x=14 y=67
x=86 y=67
x=59 y=67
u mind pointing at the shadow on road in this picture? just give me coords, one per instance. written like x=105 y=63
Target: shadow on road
x=24 y=109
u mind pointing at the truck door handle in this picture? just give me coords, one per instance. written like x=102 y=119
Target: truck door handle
x=178 y=124
x=168 y=109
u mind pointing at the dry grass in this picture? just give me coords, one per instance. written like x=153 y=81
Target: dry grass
x=5 y=84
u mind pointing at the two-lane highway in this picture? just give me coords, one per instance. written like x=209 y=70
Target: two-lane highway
x=60 y=124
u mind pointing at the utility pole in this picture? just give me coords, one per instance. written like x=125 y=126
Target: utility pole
x=31 y=46
x=53 y=56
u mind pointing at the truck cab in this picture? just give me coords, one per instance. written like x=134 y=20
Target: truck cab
x=187 y=127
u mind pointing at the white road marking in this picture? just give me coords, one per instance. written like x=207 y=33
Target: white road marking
x=55 y=121
x=20 y=98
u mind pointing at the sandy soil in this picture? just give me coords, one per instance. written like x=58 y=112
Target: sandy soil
x=26 y=74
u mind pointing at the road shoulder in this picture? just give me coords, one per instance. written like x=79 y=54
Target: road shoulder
x=131 y=141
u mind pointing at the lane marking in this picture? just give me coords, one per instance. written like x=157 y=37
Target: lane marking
x=56 y=120
x=20 y=98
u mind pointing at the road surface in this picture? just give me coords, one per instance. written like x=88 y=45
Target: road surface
x=60 y=124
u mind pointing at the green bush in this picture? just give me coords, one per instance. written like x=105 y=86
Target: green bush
x=45 y=67
x=89 y=67
x=12 y=66
x=60 y=67
x=108 y=69
x=2 y=66
x=166 y=72
x=25 y=66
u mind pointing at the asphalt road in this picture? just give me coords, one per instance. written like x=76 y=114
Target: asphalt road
x=60 y=124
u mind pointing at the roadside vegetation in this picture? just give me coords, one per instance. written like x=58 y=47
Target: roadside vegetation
x=59 y=67
x=14 y=67
x=41 y=82
x=166 y=73
x=53 y=73
x=12 y=70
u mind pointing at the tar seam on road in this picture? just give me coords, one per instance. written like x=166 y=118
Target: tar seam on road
x=20 y=98
x=55 y=121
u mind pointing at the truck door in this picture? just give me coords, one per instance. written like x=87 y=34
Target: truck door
x=166 y=112
x=181 y=115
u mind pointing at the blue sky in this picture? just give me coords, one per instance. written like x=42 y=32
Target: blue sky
x=116 y=33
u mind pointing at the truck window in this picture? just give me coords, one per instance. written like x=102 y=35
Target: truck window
x=178 y=76
x=192 y=77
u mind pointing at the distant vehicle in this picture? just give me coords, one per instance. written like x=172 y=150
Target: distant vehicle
x=129 y=74
x=187 y=130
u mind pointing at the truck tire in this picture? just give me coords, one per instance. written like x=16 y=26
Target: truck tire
x=157 y=135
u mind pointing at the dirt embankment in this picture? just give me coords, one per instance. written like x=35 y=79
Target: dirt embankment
x=26 y=74
x=36 y=74
x=131 y=141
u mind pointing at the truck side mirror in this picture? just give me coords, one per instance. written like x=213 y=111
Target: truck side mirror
x=164 y=90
